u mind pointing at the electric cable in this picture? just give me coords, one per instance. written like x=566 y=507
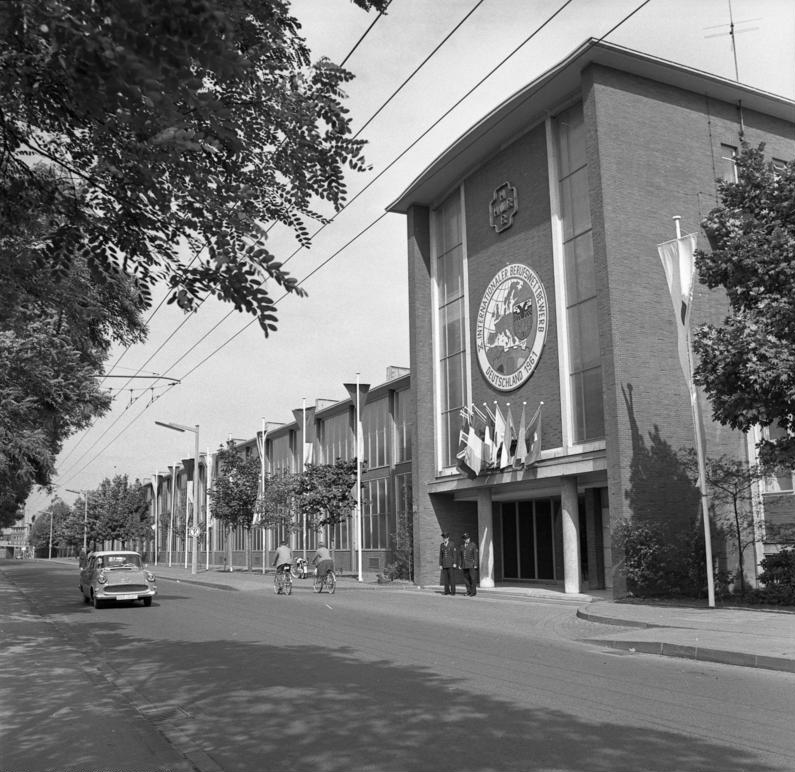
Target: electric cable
x=378 y=219
x=296 y=251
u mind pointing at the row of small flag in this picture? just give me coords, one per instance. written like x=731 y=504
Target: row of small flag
x=489 y=441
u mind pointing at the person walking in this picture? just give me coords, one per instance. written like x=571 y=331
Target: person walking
x=448 y=562
x=469 y=564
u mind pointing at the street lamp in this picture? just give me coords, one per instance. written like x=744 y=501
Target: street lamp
x=84 y=494
x=195 y=530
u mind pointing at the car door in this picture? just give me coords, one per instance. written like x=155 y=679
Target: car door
x=86 y=575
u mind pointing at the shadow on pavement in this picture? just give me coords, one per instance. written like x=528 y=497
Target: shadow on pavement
x=251 y=706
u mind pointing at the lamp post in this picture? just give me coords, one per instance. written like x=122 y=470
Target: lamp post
x=195 y=530
x=84 y=494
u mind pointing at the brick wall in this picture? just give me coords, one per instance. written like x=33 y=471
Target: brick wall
x=653 y=153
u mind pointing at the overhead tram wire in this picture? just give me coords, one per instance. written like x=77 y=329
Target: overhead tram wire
x=201 y=301
x=378 y=219
x=364 y=35
x=538 y=29
x=213 y=353
x=367 y=123
x=196 y=254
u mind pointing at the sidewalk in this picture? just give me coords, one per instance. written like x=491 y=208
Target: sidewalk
x=761 y=638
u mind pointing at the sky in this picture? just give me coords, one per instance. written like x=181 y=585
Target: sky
x=355 y=318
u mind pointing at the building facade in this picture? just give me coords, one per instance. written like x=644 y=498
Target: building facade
x=536 y=290
x=319 y=433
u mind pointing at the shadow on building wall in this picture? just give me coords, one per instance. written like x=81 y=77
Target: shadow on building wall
x=664 y=499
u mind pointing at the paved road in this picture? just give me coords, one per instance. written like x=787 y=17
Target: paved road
x=385 y=680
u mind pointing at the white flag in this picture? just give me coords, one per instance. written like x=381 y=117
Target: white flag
x=679 y=266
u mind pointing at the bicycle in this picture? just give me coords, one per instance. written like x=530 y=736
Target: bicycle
x=283 y=582
x=327 y=580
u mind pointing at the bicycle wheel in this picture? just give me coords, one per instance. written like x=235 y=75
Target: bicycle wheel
x=288 y=583
x=318 y=585
x=331 y=582
x=278 y=582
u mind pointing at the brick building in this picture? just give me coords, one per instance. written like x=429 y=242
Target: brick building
x=534 y=277
x=320 y=432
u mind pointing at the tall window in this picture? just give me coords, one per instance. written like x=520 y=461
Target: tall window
x=336 y=438
x=281 y=455
x=402 y=427
x=728 y=163
x=374 y=514
x=585 y=369
x=450 y=321
x=375 y=421
x=783 y=479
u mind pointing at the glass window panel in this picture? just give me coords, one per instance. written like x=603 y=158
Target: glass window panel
x=452 y=335
x=588 y=409
x=571 y=140
x=402 y=427
x=450 y=321
x=580 y=280
x=728 y=163
x=583 y=336
x=594 y=409
x=453 y=368
x=451 y=223
x=451 y=278
x=451 y=430
x=575 y=204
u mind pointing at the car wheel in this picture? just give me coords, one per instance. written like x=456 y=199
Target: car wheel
x=147 y=602
x=97 y=602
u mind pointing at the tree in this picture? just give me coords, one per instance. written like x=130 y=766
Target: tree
x=276 y=506
x=140 y=129
x=50 y=521
x=234 y=494
x=120 y=511
x=731 y=483
x=747 y=365
x=325 y=493
x=131 y=134
x=55 y=335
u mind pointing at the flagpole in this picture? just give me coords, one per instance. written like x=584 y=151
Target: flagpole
x=702 y=471
x=303 y=457
x=171 y=516
x=157 y=485
x=358 y=482
x=207 y=480
x=265 y=531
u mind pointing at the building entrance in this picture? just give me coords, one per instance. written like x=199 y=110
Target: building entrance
x=532 y=540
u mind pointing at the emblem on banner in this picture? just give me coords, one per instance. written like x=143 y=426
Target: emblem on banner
x=503 y=207
x=511 y=327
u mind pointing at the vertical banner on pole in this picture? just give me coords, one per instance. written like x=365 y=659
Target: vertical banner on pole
x=678 y=261
x=358 y=394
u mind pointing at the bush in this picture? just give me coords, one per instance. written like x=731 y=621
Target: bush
x=778 y=578
x=661 y=561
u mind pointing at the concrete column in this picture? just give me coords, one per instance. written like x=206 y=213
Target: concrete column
x=486 y=538
x=571 y=535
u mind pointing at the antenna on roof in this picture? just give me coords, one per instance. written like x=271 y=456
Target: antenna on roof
x=732 y=32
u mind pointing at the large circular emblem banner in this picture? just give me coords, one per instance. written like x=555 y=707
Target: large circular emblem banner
x=511 y=326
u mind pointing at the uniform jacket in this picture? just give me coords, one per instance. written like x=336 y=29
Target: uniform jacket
x=469 y=555
x=448 y=555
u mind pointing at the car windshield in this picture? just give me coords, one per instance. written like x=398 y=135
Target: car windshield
x=122 y=561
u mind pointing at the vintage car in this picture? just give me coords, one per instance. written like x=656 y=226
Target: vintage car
x=113 y=575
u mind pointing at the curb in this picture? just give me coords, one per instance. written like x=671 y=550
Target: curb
x=589 y=617
x=681 y=651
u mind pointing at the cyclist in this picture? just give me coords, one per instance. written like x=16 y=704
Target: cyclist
x=322 y=560
x=284 y=557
